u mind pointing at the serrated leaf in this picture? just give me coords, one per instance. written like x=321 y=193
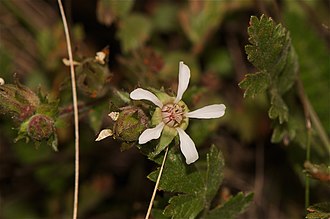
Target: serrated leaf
x=255 y=83
x=293 y=130
x=197 y=186
x=272 y=54
x=231 y=208
x=278 y=109
x=133 y=31
x=269 y=44
x=319 y=211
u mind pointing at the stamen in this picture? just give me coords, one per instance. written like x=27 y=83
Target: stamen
x=172 y=114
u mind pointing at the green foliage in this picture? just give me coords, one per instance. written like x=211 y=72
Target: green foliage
x=109 y=10
x=231 y=208
x=319 y=211
x=165 y=17
x=255 y=84
x=314 y=62
x=134 y=30
x=278 y=109
x=199 y=14
x=196 y=186
x=272 y=54
x=146 y=43
x=36 y=113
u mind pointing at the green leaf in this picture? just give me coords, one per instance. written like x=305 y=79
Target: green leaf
x=255 y=83
x=278 y=109
x=293 y=130
x=196 y=186
x=231 y=208
x=194 y=18
x=165 y=17
x=109 y=10
x=133 y=31
x=272 y=54
x=269 y=44
x=319 y=211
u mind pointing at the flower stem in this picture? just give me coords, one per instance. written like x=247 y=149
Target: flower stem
x=308 y=149
x=75 y=111
x=310 y=117
x=157 y=183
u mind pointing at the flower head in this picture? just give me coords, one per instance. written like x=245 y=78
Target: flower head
x=171 y=116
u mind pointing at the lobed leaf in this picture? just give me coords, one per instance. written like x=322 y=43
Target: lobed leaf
x=255 y=83
x=278 y=109
x=232 y=208
x=272 y=54
x=196 y=186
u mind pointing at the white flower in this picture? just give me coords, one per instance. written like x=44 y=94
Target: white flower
x=173 y=114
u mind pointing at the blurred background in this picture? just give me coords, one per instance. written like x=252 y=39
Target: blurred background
x=145 y=40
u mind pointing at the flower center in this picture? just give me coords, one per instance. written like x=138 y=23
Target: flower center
x=172 y=114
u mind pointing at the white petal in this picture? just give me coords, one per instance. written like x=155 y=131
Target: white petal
x=153 y=133
x=208 y=112
x=141 y=94
x=187 y=147
x=184 y=77
x=104 y=134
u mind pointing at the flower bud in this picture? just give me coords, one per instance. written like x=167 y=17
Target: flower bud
x=130 y=123
x=18 y=101
x=40 y=127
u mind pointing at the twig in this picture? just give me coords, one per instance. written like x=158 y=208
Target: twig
x=157 y=183
x=311 y=117
x=75 y=111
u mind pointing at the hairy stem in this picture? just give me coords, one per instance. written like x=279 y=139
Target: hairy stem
x=156 y=185
x=75 y=111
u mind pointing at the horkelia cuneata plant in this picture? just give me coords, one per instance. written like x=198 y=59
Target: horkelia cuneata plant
x=171 y=116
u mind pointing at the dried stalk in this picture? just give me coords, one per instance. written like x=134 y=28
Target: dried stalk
x=75 y=111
